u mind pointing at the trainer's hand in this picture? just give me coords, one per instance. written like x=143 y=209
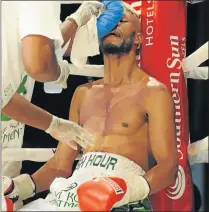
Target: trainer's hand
x=85 y=12
x=18 y=189
x=70 y=133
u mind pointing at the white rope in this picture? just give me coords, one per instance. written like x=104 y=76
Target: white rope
x=88 y=70
x=199 y=73
x=198 y=151
x=31 y=154
x=71 y=2
x=196 y=58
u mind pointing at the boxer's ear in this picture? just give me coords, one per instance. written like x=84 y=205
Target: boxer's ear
x=138 y=38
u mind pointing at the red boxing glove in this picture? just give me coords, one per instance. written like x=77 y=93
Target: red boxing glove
x=100 y=194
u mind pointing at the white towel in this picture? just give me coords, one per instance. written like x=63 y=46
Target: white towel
x=85 y=43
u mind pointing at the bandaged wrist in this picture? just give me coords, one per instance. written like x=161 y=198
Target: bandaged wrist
x=143 y=188
x=54 y=123
x=25 y=186
x=64 y=73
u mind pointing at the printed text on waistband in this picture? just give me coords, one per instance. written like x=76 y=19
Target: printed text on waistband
x=97 y=160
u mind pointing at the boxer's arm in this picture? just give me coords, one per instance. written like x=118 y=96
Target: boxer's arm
x=58 y=166
x=61 y=164
x=161 y=128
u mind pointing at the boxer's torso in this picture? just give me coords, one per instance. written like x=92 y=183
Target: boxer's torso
x=117 y=118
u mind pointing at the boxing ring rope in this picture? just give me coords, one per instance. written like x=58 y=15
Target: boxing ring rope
x=31 y=154
x=191 y=63
x=45 y=154
x=88 y=70
x=71 y=2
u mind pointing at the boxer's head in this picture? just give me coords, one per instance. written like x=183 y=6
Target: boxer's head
x=125 y=36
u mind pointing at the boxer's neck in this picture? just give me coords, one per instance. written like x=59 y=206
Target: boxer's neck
x=118 y=69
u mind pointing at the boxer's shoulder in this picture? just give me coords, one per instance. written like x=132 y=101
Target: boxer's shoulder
x=84 y=88
x=156 y=92
x=153 y=89
x=155 y=85
x=149 y=82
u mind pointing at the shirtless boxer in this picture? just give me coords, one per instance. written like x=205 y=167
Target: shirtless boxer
x=131 y=116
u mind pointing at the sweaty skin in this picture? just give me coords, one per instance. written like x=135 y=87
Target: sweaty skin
x=129 y=113
x=117 y=118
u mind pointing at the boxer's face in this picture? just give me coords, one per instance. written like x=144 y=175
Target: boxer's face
x=126 y=34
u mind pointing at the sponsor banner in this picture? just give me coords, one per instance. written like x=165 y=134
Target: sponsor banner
x=162 y=50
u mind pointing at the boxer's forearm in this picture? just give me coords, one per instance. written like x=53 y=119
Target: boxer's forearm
x=68 y=29
x=46 y=174
x=25 y=112
x=161 y=176
x=59 y=166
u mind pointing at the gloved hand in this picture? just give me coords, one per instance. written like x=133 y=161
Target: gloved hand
x=18 y=189
x=70 y=133
x=85 y=12
x=105 y=190
x=109 y=19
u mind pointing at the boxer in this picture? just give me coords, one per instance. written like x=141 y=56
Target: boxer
x=131 y=116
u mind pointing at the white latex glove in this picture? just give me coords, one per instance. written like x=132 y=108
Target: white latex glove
x=70 y=133
x=85 y=12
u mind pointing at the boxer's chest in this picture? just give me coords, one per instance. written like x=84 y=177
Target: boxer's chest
x=113 y=111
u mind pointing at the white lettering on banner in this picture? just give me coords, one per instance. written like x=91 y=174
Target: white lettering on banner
x=177 y=190
x=149 y=22
x=175 y=60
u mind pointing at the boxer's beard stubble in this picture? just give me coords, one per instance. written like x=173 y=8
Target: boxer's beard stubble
x=113 y=49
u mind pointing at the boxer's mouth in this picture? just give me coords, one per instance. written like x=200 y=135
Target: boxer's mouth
x=114 y=34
